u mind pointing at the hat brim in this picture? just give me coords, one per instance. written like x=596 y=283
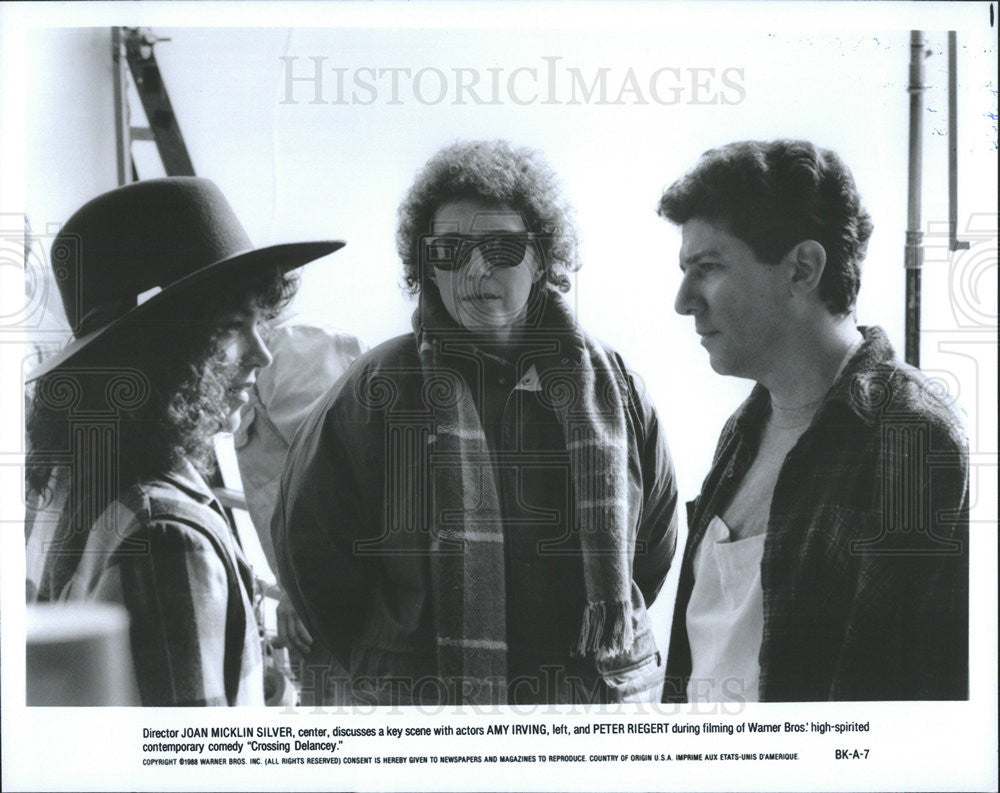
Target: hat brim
x=288 y=256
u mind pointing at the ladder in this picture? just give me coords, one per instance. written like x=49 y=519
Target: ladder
x=132 y=51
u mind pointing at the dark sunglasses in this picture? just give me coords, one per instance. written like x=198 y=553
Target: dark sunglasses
x=498 y=249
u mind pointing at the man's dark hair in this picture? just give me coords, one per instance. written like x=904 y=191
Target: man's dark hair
x=774 y=195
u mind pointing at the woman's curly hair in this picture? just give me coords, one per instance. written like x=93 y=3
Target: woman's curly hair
x=496 y=172
x=169 y=363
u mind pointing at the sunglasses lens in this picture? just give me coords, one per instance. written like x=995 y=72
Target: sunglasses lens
x=507 y=251
x=442 y=252
x=498 y=250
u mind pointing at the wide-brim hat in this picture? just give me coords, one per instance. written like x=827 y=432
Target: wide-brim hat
x=133 y=249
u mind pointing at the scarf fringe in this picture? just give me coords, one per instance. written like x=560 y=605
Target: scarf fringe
x=607 y=628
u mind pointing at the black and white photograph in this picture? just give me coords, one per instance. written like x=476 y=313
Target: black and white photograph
x=601 y=391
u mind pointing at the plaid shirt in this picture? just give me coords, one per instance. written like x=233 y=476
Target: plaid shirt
x=165 y=551
x=865 y=566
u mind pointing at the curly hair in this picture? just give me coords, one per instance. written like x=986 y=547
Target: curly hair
x=774 y=195
x=492 y=171
x=178 y=382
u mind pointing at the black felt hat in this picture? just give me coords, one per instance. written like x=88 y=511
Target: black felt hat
x=134 y=248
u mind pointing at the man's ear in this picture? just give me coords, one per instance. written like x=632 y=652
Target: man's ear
x=808 y=261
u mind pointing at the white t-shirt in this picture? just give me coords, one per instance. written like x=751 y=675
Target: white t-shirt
x=725 y=617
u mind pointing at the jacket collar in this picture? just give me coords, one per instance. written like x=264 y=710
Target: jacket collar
x=187 y=479
x=860 y=389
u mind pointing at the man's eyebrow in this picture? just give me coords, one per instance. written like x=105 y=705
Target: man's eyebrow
x=691 y=258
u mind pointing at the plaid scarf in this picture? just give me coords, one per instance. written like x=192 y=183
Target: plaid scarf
x=587 y=394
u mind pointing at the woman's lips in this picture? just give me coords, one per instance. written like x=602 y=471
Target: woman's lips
x=240 y=393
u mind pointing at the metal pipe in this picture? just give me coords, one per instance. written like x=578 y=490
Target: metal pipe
x=954 y=244
x=123 y=143
x=914 y=254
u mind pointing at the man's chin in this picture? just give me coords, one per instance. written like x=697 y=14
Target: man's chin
x=729 y=369
x=721 y=366
x=716 y=364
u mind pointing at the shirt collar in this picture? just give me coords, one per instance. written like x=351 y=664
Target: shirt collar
x=187 y=478
x=860 y=388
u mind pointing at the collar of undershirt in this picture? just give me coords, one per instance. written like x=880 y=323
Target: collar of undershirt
x=799 y=416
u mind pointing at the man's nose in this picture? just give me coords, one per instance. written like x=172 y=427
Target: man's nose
x=688 y=299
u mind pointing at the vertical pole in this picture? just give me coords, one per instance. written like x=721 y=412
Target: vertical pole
x=123 y=143
x=913 y=258
x=954 y=244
